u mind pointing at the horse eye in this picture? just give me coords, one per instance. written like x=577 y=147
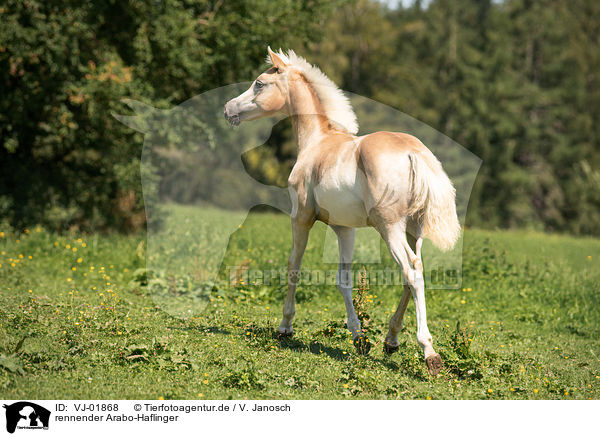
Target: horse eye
x=259 y=85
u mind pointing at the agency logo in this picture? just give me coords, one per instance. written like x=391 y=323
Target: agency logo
x=26 y=415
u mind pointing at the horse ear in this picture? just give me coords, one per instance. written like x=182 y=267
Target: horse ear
x=275 y=59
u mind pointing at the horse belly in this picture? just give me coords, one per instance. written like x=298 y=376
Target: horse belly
x=340 y=205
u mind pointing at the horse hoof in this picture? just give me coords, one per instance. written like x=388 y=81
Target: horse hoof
x=390 y=349
x=284 y=335
x=434 y=364
x=362 y=344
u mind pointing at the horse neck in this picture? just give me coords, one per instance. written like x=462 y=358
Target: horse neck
x=309 y=121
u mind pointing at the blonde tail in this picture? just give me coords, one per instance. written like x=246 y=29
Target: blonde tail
x=433 y=197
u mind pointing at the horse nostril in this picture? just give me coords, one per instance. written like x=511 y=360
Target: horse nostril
x=234 y=120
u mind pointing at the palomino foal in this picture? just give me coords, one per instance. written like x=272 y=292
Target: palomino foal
x=386 y=180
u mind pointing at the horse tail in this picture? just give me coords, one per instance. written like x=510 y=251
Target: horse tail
x=433 y=200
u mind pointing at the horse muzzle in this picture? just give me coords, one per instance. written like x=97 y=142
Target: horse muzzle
x=234 y=120
x=231 y=116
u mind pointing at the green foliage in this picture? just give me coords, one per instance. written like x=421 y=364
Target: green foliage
x=247 y=378
x=11 y=363
x=157 y=354
x=461 y=341
x=60 y=165
x=587 y=189
x=515 y=82
x=65 y=162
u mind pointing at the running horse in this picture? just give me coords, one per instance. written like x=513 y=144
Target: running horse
x=387 y=180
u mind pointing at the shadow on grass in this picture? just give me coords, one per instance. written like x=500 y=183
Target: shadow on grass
x=265 y=337
x=314 y=347
x=406 y=365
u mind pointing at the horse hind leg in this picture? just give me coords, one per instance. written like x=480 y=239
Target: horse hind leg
x=412 y=268
x=391 y=344
x=396 y=325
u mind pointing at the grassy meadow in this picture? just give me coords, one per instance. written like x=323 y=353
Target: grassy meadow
x=81 y=317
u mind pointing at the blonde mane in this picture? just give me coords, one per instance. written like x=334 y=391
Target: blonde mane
x=336 y=105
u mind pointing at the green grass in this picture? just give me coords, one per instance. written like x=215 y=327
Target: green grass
x=524 y=325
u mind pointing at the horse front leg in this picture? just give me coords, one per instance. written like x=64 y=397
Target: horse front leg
x=346 y=236
x=300 y=233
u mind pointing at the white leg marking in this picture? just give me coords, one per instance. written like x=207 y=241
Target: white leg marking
x=412 y=268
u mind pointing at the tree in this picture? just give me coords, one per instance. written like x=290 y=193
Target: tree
x=65 y=66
